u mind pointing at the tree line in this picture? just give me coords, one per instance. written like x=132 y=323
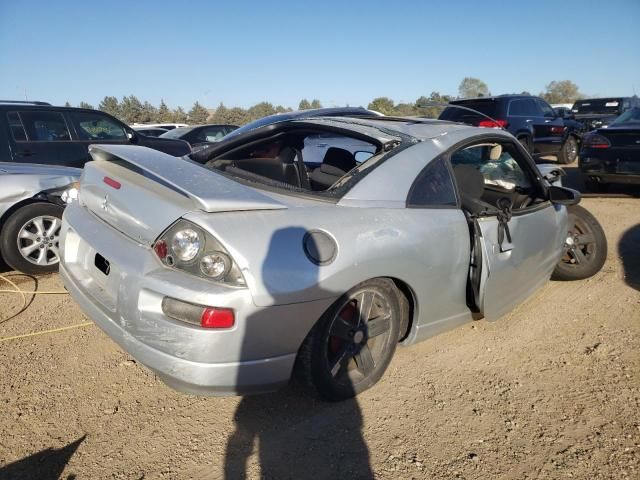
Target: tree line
x=131 y=110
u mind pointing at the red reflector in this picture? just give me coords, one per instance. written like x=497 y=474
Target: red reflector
x=492 y=124
x=558 y=129
x=600 y=145
x=217 y=318
x=112 y=183
x=161 y=249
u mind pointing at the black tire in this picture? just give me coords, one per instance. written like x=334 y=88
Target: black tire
x=10 y=243
x=525 y=141
x=569 y=151
x=332 y=360
x=586 y=249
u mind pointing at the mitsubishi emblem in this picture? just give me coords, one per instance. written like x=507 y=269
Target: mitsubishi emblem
x=105 y=203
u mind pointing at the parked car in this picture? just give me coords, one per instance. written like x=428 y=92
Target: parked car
x=612 y=154
x=200 y=134
x=150 y=131
x=36 y=132
x=599 y=112
x=530 y=119
x=166 y=126
x=228 y=278
x=32 y=198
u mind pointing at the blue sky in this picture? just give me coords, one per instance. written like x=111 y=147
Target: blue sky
x=341 y=52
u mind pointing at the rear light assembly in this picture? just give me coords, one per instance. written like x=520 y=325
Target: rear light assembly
x=199 y=315
x=186 y=246
x=493 y=123
x=558 y=130
x=595 y=141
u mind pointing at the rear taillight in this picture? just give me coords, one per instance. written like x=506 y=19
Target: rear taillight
x=493 y=123
x=558 y=130
x=186 y=246
x=595 y=141
x=206 y=317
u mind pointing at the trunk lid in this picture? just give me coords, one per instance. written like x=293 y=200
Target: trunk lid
x=140 y=191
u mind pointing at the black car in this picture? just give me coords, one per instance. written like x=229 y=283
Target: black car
x=612 y=154
x=200 y=134
x=37 y=132
x=530 y=119
x=599 y=112
x=150 y=131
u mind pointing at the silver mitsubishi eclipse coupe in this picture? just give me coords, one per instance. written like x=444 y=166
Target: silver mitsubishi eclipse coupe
x=244 y=266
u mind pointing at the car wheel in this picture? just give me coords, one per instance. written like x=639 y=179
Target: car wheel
x=350 y=347
x=569 y=151
x=526 y=143
x=585 y=247
x=29 y=238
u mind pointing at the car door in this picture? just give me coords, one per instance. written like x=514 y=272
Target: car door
x=516 y=249
x=39 y=136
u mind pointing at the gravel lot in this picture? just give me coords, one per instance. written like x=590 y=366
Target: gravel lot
x=550 y=391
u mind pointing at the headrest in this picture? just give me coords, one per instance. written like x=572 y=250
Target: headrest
x=337 y=159
x=495 y=153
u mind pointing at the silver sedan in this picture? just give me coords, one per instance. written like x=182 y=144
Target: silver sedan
x=256 y=267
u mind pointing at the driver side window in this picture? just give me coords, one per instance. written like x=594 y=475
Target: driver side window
x=502 y=174
x=94 y=126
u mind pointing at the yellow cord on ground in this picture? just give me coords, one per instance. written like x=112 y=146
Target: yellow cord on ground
x=43 y=332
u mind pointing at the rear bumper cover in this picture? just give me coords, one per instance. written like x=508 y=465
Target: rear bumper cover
x=256 y=355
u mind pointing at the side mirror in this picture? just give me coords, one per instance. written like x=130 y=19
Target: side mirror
x=563 y=195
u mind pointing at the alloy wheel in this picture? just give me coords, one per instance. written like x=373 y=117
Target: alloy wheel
x=38 y=240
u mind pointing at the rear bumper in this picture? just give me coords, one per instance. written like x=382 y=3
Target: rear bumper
x=256 y=355
x=628 y=179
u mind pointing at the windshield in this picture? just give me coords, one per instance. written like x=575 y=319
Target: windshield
x=630 y=117
x=598 y=106
x=177 y=132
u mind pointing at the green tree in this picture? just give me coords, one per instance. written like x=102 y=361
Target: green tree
x=198 y=114
x=473 y=87
x=304 y=104
x=149 y=113
x=563 y=91
x=164 y=114
x=179 y=116
x=425 y=105
x=238 y=116
x=281 y=109
x=383 y=105
x=260 y=110
x=67 y=104
x=405 y=110
x=110 y=105
x=131 y=109
x=85 y=105
x=315 y=103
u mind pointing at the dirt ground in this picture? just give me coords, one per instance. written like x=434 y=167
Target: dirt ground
x=550 y=391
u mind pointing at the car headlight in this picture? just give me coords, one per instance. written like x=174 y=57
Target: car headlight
x=185 y=244
x=187 y=247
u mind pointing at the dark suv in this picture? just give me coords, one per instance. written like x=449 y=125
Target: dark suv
x=600 y=112
x=36 y=132
x=530 y=119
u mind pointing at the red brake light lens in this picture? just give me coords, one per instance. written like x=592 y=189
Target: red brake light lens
x=112 y=183
x=596 y=141
x=217 y=318
x=558 y=130
x=161 y=249
x=493 y=124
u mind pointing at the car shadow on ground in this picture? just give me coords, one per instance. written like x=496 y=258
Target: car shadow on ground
x=47 y=464
x=296 y=434
x=629 y=250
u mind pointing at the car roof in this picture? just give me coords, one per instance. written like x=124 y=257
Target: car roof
x=506 y=96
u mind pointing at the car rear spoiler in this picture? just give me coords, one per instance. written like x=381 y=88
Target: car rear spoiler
x=210 y=191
